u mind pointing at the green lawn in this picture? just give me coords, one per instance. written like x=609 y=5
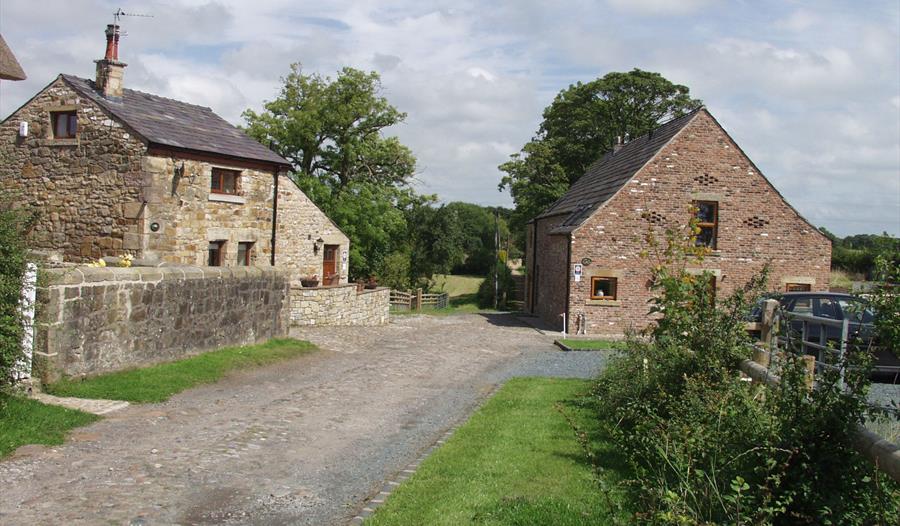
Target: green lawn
x=25 y=421
x=158 y=382
x=591 y=345
x=457 y=285
x=522 y=459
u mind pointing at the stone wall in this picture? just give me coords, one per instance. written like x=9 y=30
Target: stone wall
x=339 y=305
x=85 y=190
x=93 y=320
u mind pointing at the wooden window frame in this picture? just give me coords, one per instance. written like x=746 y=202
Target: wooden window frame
x=217 y=176
x=245 y=262
x=615 y=288
x=797 y=287
x=714 y=242
x=220 y=254
x=71 y=116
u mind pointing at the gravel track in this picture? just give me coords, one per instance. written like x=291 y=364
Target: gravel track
x=300 y=442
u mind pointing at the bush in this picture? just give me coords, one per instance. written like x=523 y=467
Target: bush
x=707 y=447
x=13 y=229
x=506 y=288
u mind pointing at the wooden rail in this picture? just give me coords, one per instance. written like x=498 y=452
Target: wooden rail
x=883 y=453
x=415 y=300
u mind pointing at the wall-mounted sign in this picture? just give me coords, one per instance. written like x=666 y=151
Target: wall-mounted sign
x=586 y=261
x=577 y=271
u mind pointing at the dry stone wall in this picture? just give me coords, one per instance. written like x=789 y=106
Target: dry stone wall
x=340 y=305
x=86 y=190
x=93 y=320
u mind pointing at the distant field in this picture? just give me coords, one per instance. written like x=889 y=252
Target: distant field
x=457 y=285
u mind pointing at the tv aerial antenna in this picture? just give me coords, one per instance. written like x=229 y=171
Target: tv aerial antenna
x=120 y=13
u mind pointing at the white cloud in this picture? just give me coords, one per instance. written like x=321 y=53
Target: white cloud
x=659 y=7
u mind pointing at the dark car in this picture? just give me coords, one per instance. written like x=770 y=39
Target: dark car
x=838 y=307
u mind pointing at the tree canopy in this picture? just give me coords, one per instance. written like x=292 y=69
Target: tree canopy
x=580 y=125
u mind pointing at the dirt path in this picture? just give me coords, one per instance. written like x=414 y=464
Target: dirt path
x=302 y=442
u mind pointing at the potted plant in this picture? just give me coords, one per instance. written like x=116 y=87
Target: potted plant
x=360 y=285
x=310 y=281
x=372 y=283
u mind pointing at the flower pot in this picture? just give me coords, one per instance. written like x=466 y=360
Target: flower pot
x=309 y=282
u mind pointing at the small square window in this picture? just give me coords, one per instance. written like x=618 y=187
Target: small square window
x=797 y=287
x=225 y=181
x=603 y=288
x=64 y=124
x=244 y=253
x=216 y=251
x=707 y=216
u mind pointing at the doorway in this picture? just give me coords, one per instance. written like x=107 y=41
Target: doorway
x=330 y=274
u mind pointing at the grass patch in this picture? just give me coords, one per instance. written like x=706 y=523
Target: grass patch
x=158 y=382
x=25 y=421
x=457 y=285
x=592 y=345
x=464 y=304
x=519 y=460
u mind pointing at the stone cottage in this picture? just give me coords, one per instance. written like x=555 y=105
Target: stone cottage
x=583 y=252
x=114 y=171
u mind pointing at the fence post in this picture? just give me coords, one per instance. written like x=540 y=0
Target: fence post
x=767 y=330
x=761 y=356
x=419 y=299
x=809 y=363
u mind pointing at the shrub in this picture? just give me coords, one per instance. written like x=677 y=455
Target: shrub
x=13 y=228
x=707 y=447
x=506 y=287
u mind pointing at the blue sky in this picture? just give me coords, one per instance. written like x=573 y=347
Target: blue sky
x=809 y=89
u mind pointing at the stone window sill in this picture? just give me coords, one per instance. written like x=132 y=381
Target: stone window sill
x=228 y=198
x=59 y=142
x=604 y=303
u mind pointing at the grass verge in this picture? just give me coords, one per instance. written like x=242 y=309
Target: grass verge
x=591 y=345
x=456 y=285
x=530 y=455
x=158 y=382
x=25 y=421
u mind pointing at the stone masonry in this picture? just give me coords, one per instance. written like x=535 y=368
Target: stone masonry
x=341 y=305
x=756 y=226
x=93 y=320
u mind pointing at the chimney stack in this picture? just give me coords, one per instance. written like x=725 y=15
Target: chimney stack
x=111 y=72
x=618 y=145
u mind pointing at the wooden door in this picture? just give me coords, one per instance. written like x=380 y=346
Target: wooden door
x=330 y=274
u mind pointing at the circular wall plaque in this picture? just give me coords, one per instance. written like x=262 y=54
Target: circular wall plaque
x=154 y=227
x=586 y=261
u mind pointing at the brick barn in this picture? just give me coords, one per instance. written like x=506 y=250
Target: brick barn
x=599 y=225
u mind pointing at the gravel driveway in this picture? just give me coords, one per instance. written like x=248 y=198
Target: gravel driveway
x=301 y=442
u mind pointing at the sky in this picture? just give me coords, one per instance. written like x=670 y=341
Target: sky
x=810 y=89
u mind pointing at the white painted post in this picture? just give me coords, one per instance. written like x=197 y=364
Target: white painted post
x=564 y=324
x=22 y=370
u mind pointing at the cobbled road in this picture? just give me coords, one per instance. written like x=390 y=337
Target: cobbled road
x=300 y=442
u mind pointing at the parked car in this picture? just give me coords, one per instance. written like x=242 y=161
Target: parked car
x=835 y=306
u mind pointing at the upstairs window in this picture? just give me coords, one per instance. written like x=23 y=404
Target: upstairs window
x=216 y=251
x=64 y=124
x=244 y=253
x=603 y=288
x=708 y=221
x=225 y=181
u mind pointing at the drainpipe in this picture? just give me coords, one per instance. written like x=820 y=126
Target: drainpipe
x=534 y=276
x=274 y=214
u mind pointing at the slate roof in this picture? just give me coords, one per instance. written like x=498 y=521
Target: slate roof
x=9 y=66
x=169 y=122
x=610 y=173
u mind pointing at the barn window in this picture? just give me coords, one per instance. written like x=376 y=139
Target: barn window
x=64 y=124
x=797 y=287
x=707 y=214
x=216 y=251
x=244 y=253
x=224 y=181
x=603 y=288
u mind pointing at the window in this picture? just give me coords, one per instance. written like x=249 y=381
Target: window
x=64 y=124
x=245 y=249
x=216 y=250
x=603 y=288
x=708 y=222
x=224 y=181
x=797 y=287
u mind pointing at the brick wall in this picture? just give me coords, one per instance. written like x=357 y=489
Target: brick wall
x=547 y=273
x=755 y=226
x=341 y=305
x=93 y=320
x=86 y=190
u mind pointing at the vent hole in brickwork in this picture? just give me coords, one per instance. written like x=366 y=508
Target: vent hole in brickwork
x=706 y=179
x=654 y=218
x=755 y=222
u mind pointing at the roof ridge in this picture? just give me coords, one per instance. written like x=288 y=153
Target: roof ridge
x=154 y=95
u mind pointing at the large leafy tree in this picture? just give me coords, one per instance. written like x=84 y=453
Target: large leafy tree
x=580 y=125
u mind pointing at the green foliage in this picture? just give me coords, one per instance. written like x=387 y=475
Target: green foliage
x=479 y=225
x=582 y=124
x=158 y=382
x=395 y=271
x=14 y=226
x=505 y=289
x=858 y=253
x=707 y=447
x=885 y=299
x=25 y=421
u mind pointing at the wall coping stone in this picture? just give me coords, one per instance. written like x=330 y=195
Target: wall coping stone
x=90 y=275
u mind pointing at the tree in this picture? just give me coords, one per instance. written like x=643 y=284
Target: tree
x=580 y=125
x=332 y=129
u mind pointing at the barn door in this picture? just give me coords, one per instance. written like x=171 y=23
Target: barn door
x=330 y=274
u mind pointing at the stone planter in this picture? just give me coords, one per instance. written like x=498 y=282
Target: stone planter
x=308 y=283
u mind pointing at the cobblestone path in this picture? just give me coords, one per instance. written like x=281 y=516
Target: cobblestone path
x=301 y=442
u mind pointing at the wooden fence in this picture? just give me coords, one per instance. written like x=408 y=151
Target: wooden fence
x=416 y=300
x=763 y=368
